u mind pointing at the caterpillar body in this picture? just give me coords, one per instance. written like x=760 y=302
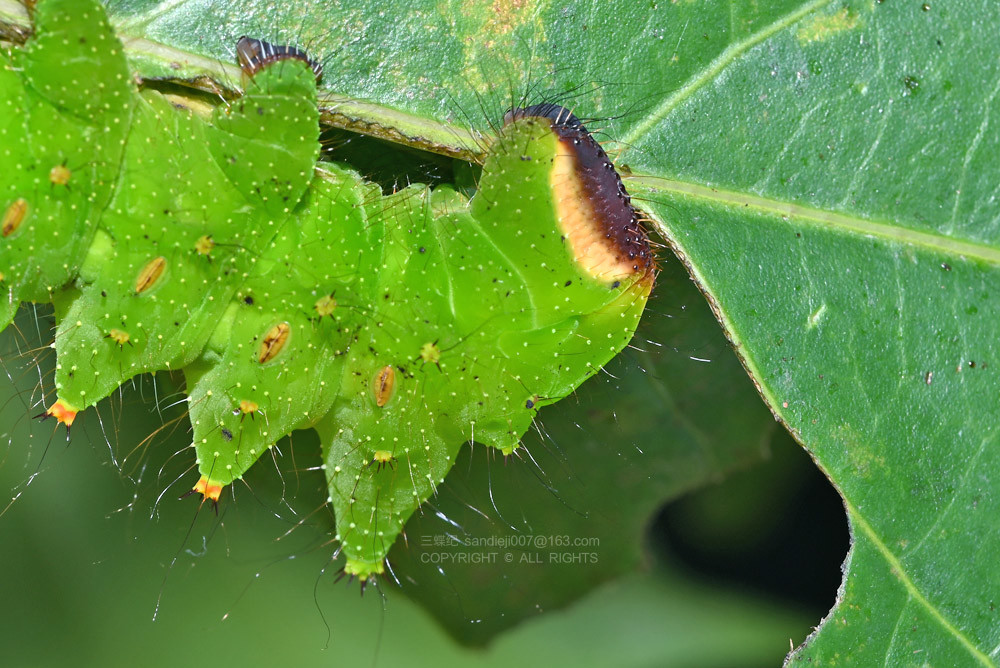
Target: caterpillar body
x=294 y=294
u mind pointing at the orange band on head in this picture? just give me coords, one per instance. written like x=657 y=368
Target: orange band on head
x=583 y=226
x=595 y=212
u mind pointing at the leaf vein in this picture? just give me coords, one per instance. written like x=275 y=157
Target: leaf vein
x=761 y=185
x=911 y=588
x=714 y=68
x=971 y=151
x=971 y=466
x=895 y=633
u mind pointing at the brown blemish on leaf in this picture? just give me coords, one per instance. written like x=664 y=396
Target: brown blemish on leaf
x=491 y=38
x=506 y=15
x=820 y=28
x=150 y=274
x=273 y=342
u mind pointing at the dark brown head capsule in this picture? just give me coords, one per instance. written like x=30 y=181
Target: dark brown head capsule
x=594 y=208
x=254 y=55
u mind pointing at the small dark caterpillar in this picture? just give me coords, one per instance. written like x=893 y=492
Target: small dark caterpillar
x=597 y=213
x=255 y=54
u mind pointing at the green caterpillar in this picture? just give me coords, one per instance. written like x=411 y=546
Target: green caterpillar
x=294 y=294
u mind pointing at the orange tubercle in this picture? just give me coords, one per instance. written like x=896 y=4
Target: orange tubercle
x=209 y=489
x=62 y=412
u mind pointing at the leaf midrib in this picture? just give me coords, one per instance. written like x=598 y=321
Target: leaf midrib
x=823 y=218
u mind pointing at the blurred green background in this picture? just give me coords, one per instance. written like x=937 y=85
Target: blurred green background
x=731 y=577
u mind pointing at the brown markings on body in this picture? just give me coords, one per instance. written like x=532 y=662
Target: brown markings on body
x=14 y=216
x=273 y=342
x=385 y=380
x=150 y=274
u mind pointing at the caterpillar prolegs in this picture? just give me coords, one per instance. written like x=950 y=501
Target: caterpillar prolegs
x=292 y=293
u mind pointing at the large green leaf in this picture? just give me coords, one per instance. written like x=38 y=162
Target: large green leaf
x=828 y=172
x=848 y=244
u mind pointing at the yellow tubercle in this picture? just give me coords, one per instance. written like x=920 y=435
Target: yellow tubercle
x=429 y=352
x=120 y=337
x=204 y=245
x=60 y=175
x=383 y=458
x=325 y=305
